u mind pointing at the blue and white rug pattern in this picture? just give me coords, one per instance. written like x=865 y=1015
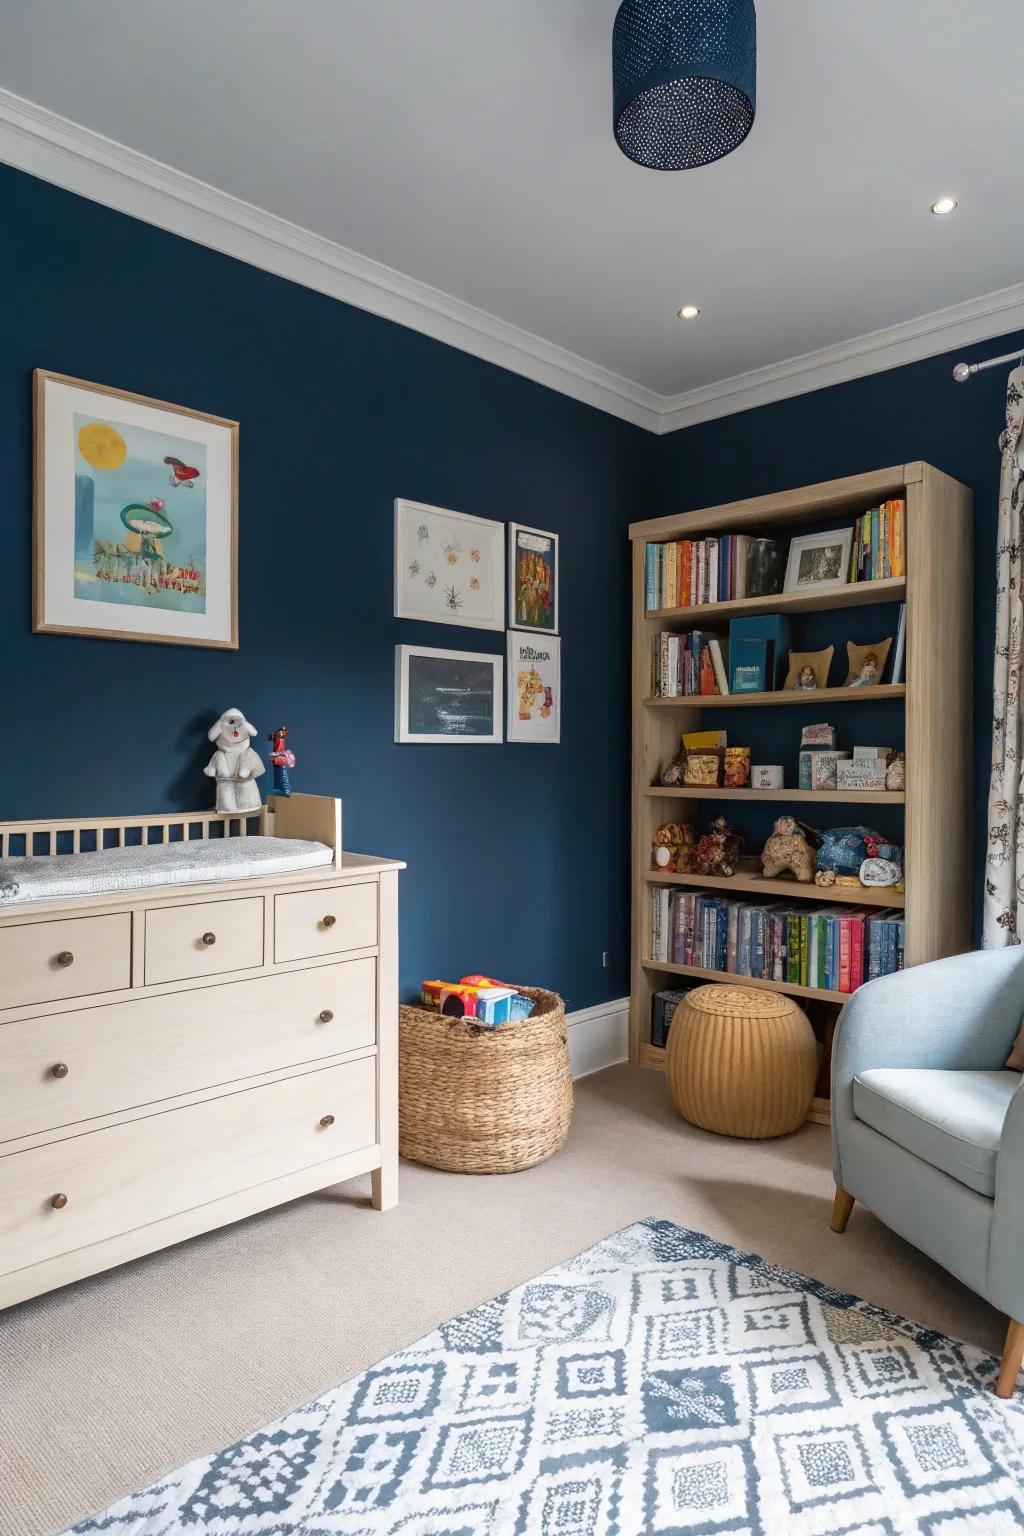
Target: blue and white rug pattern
x=659 y=1383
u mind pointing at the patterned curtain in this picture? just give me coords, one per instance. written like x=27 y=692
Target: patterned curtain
x=1004 y=865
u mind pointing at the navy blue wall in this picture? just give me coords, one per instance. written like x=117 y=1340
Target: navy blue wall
x=517 y=854
x=914 y=412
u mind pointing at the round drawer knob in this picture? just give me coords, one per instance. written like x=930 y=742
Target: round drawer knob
x=209 y=938
x=329 y=921
x=326 y=1120
x=59 y=1202
x=326 y=1016
x=65 y=957
x=59 y=1069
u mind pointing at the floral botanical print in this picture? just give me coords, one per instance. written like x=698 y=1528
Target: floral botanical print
x=1004 y=865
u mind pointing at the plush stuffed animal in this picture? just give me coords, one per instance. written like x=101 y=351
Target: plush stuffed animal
x=234 y=765
x=672 y=848
x=788 y=851
x=719 y=851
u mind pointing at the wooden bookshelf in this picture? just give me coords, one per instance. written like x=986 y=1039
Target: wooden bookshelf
x=935 y=705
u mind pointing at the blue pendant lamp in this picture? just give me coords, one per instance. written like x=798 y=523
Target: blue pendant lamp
x=685 y=74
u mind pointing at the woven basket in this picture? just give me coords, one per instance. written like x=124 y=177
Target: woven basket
x=479 y=1100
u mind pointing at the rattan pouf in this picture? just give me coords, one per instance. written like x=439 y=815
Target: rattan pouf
x=478 y=1100
x=741 y=1061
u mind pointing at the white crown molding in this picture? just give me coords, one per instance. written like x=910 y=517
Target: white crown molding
x=961 y=325
x=57 y=150
x=41 y=142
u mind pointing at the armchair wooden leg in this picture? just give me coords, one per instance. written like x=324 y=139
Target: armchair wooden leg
x=1013 y=1353
x=841 y=1209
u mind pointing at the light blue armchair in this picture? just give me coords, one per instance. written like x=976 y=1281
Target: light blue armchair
x=928 y=1125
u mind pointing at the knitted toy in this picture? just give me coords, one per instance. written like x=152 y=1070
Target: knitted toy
x=787 y=851
x=672 y=850
x=234 y=765
x=719 y=850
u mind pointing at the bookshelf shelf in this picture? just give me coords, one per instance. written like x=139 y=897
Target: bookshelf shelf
x=853 y=595
x=823 y=696
x=836 y=796
x=934 y=708
x=819 y=994
x=750 y=882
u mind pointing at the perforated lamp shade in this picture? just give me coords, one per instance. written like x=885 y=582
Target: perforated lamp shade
x=685 y=77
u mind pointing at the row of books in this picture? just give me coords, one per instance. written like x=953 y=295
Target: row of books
x=689 y=663
x=688 y=572
x=878 y=550
x=835 y=948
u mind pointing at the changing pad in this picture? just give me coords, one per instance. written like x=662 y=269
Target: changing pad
x=133 y=869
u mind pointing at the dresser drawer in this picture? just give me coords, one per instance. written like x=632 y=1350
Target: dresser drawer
x=77 y=1066
x=44 y=962
x=203 y=939
x=325 y=921
x=112 y=1181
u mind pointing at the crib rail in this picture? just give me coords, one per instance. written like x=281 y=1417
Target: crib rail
x=88 y=834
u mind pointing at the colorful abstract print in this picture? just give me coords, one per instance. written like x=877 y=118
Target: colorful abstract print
x=660 y=1383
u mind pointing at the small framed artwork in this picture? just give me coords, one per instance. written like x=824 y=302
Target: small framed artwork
x=449 y=567
x=444 y=697
x=532 y=579
x=135 y=529
x=534 y=687
x=819 y=560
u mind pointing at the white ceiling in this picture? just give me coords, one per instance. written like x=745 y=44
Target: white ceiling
x=468 y=144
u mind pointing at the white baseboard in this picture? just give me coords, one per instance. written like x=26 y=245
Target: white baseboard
x=598 y=1036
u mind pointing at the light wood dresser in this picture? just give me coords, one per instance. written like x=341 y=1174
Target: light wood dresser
x=175 y=1058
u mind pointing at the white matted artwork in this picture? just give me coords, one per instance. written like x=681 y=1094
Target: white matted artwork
x=446 y=697
x=449 y=567
x=818 y=560
x=135 y=529
x=532 y=579
x=534 y=687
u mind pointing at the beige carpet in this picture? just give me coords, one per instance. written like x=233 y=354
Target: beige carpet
x=107 y=1384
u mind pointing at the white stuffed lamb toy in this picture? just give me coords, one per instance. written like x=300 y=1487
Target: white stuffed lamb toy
x=234 y=765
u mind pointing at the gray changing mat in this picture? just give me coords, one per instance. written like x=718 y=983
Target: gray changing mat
x=133 y=869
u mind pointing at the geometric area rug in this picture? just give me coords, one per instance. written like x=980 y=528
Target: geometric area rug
x=659 y=1383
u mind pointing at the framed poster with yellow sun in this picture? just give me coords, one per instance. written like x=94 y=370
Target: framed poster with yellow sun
x=135 y=535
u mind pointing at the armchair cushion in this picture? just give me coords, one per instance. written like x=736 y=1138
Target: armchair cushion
x=951 y=1119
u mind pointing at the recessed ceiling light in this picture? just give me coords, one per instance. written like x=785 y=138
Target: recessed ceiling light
x=944 y=205
x=688 y=312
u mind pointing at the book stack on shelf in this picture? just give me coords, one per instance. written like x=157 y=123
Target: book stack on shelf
x=689 y=572
x=831 y=949
x=895 y=536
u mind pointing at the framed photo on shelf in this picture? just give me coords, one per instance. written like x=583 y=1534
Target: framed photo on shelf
x=819 y=560
x=532 y=579
x=135 y=526
x=449 y=567
x=446 y=697
x=534 y=687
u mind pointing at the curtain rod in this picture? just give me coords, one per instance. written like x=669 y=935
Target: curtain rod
x=964 y=371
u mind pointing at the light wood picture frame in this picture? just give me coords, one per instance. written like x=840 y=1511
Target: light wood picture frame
x=533 y=576
x=135 y=516
x=449 y=567
x=448 y=698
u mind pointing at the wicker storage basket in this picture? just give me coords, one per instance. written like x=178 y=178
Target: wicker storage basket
x=479 y=1100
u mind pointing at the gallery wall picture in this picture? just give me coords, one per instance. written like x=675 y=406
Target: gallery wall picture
x=135 y=529
x=449 y=567
x=534 y=687
x=447 y=697
x=532 y=579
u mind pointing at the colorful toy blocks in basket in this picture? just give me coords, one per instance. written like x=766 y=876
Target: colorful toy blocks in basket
x=482 y=998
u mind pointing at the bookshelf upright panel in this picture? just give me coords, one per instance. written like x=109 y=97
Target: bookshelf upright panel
x=934 y=705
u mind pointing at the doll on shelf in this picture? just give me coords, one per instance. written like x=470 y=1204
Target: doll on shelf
x=282 y=759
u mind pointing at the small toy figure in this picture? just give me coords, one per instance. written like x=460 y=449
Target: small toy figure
x=807 y=679
x=896 y=773
x=672 y=848
x=870 y=672
x=282 y=758
x=719 y=851
x=787 y=851
x=234 y=765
